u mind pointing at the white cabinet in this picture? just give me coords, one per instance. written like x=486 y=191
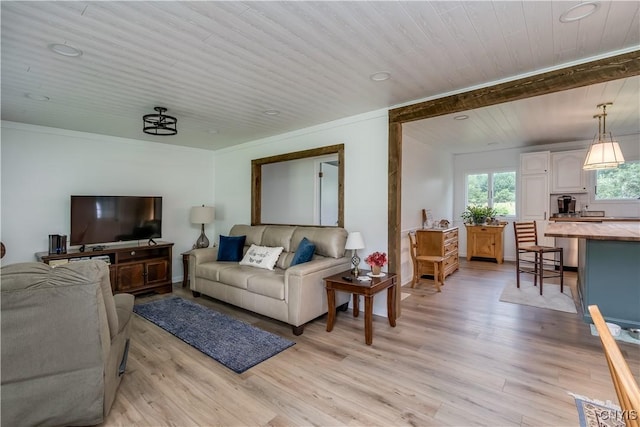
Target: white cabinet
x=567 y=175
x=534 y=163
x=534 y=192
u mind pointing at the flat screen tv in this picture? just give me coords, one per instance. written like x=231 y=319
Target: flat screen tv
x=105 y=219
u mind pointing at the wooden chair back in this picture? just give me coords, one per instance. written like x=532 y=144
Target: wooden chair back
x=526 y=234
x=413 y=247
x=623 y=380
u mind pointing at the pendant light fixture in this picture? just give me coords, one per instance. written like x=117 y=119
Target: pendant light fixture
x=159 y=124
x=604 y=153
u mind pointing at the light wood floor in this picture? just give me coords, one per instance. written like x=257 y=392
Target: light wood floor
x=457 y=358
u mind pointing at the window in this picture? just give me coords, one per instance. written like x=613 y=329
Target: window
x=621 y=183
x=495 y=189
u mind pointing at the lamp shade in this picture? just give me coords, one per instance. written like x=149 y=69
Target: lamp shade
x=603 y=155
x=202 y=214
x=355 y=241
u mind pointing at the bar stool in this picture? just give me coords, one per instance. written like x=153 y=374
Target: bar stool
x=527 y=242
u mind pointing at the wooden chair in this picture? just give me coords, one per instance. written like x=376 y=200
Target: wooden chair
x=420 y=261
x=527 y=243
x=624 y=382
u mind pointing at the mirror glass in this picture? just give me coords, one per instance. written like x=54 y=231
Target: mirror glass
x=301 y=188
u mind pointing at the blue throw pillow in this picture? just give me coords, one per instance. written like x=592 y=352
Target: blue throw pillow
x=231 y=248
x=304 y=253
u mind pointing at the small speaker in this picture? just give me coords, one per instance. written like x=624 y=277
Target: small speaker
x=57 y=244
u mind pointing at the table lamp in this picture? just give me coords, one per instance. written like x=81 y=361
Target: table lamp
x=355 y=242
x=202 y=215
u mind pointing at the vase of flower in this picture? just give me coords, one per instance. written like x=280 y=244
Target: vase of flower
x=376 y=261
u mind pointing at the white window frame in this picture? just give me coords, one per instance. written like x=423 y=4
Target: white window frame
x=491 y=172
x=592 y=194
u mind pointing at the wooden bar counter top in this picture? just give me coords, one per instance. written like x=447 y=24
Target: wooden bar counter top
x=608 y=268
x=594 y=219
x=627 y=231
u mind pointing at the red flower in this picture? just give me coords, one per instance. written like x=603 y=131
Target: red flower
x=377 y=258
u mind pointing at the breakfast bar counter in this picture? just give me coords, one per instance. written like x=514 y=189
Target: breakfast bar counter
x=608 y=267
x=628 y=231
x=595 y=219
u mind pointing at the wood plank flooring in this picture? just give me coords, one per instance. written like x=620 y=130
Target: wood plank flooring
x=456 y=358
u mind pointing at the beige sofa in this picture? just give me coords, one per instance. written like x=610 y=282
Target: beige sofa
x=294 y=295
x=64 y=343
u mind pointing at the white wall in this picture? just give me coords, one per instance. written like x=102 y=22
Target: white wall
x=366 y=151
x=427 y=183
x=510 y=159
x=42 y=167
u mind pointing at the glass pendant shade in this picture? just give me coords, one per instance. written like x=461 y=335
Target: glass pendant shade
x=604 y=153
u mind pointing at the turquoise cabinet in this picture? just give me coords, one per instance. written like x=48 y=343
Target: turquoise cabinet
x=609 y=277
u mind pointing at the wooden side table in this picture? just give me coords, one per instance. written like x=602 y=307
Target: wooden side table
x=485 y=241
x=340 y=282
x=185 y=268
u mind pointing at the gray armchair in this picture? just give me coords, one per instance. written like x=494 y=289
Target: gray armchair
x=65 y=339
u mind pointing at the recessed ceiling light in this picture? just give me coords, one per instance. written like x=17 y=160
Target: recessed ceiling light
x=271 y=112
x=65 y=50
x=213 y=131
x=380 y=76
x=580 y=11
x=37 y=97
x=461 y=117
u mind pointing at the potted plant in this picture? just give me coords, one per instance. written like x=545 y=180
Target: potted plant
x=376 y=260
x=478 y=215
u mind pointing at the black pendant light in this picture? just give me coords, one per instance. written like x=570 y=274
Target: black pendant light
x=159 y=124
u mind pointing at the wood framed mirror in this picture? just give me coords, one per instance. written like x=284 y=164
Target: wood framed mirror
x=331 y=157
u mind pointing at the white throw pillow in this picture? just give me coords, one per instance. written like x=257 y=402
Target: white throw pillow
x=262 y=256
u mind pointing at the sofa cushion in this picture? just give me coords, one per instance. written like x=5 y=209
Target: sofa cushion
x=278 y=235
x=269 y=283
x=211 y=270
x=304 y=253
x=124 y=308
x=231 y=248
x=329 y=242
x=261 y=256
x=238 y=276
x=253 y=232
x=284 y=260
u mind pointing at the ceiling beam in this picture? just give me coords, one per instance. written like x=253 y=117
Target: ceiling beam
x=598 y=71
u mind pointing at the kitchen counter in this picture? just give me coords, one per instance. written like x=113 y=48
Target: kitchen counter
x=593 y=219
x=610 y=230
x=608 y=267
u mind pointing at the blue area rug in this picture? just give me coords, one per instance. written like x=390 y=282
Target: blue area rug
x=235 y=344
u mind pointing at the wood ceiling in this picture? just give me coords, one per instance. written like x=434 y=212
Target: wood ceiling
x=217 y=66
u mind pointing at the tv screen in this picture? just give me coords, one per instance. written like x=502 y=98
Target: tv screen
x=104 y=219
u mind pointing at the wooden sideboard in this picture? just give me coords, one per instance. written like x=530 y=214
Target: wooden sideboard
x=439 y=242
x=485 y=241
x=133 y=268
